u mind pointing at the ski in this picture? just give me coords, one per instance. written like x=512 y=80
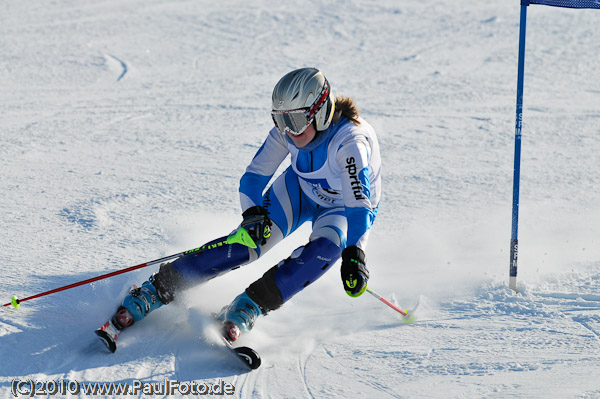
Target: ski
x=247 y=355
x=229 y=333
x=109 y=331
x=108 y=334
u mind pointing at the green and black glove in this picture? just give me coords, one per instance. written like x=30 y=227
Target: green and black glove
x=257 y=223
x=354 y=271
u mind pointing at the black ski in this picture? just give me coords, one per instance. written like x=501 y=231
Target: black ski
x=108 y=334
x=107 y=340
x=249 y=356
x=228 y=333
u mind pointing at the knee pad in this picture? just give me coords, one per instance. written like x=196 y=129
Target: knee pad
x=167 y=281
x=303 y=267
x=265 y=292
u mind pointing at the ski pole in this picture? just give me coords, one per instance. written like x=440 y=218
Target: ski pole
x=239 y=237
x=382 y=299
x=407 y=316
x=15 y=301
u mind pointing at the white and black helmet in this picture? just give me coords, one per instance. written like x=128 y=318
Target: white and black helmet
x=301 y=97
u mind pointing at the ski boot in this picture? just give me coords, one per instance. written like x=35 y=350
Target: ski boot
x=135 y=306
x=138 y=304
x=238 y=317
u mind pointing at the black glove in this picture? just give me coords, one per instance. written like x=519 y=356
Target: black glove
x=257 y=223
x=354 y=271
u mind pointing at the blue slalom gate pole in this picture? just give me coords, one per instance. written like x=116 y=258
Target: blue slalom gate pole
x=514 y=238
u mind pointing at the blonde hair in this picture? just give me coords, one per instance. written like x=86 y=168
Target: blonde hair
x=345 y=106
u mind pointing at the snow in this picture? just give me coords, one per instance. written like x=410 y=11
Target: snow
x=125 y=128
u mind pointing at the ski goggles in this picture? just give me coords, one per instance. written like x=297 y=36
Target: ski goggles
x=295 y=121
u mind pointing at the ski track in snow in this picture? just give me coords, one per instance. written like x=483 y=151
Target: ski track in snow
x=302 y=360
x=112 y=60
x=125 y=128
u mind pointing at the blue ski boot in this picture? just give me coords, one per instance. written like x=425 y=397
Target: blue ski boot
x=137 y=304
x=239 y=317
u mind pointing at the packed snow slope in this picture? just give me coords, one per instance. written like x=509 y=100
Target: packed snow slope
x=125 y=128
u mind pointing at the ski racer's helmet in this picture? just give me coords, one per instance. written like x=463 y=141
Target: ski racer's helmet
x=301 y=97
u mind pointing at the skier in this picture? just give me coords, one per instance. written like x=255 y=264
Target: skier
x=333 y=182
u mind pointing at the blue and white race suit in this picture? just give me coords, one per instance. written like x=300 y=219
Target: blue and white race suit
x=333 y=182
